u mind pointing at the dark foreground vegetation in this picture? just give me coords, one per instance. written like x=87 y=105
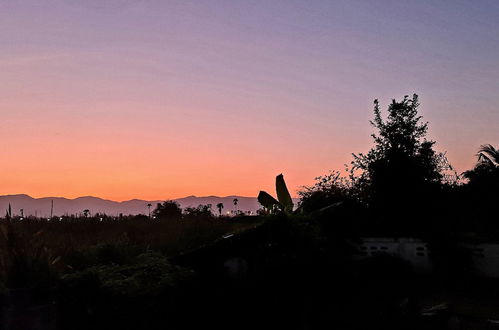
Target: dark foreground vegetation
x=287 y=268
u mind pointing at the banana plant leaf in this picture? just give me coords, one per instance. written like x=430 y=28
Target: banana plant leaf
x=267 y=201
x=283 y=194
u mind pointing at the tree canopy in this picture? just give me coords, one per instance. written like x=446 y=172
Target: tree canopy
x=401 y=167
x=168 y=210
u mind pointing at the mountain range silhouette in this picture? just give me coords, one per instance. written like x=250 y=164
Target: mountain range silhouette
x=65 y=206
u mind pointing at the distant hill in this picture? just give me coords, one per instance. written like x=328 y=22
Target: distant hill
x=41 y=206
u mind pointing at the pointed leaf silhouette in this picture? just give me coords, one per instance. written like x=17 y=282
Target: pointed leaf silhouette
x=283 y=194
x=267 y=200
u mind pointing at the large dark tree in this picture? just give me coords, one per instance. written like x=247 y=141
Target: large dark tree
x=168 y=210
x=401 y=173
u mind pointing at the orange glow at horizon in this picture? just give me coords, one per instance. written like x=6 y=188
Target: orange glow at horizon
x=66 y=158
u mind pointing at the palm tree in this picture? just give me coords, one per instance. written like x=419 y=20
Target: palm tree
x=488 y=162
x=235 y=204
x=220 y=206
x=488 y=155
x=86 y=212
x=149 y=207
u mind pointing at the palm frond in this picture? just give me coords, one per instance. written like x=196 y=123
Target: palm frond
x=488 y=155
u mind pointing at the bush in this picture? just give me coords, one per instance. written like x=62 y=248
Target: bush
x=142 y=293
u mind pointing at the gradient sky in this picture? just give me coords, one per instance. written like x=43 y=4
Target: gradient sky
x=161 y=99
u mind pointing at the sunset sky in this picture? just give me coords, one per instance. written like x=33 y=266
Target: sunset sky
x=158 y=99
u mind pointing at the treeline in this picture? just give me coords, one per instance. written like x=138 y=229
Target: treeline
x=169 y=209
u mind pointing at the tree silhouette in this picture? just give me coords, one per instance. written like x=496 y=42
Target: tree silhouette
x=149 y=209
x=168 y=210
x=201 y=211
x=488 y=155
x=220 y=206
x=235 y=201
x=481 y=193
x=327 y=190
x=8 y=213
x=486 y=168
x=86 y=213
x=400 y=172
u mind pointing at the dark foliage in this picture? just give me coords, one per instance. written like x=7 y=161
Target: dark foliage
x=402 y=172
x=477 y=199
x=143 y=292
x=168 y=210
x=201 y=211
x=327 y=190
x=400 y=180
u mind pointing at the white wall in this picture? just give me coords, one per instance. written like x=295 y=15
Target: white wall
x=415 y=251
